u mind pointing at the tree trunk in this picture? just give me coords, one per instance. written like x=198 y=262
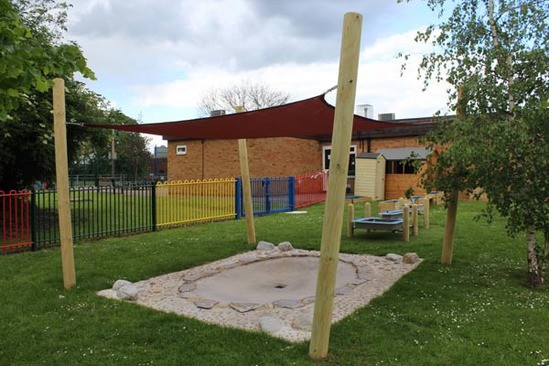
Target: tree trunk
x=535 y=268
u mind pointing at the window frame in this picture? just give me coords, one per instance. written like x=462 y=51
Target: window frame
x=352 y=158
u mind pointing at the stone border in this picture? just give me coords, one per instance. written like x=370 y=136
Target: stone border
x=290 y=320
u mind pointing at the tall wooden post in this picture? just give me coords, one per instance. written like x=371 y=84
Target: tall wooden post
x=246 y=187
x=335 y=202
x=449 y=229
x=62 y=182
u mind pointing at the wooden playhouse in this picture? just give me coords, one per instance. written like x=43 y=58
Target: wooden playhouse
x=370 y=176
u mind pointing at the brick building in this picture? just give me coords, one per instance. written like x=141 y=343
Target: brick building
x=286 y=156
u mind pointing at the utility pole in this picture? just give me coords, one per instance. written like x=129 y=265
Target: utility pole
x=113 y=156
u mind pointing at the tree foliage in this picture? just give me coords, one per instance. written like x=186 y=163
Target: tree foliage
x=29 y=57
x=249 y=96
x=495 y=52
x=33 y=53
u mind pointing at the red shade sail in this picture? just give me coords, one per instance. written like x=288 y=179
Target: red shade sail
x=305 y=118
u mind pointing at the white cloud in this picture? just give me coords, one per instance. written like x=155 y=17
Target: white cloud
x=379 y=82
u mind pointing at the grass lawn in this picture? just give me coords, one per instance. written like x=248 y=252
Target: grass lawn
x=476 y=312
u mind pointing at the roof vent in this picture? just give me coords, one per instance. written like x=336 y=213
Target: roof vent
x=217 y=112
x=386 y=116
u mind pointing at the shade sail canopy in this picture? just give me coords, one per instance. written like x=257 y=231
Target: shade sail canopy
x=305 y=118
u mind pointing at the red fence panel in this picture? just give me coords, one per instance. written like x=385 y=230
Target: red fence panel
x=15 y=217
x=310 y=189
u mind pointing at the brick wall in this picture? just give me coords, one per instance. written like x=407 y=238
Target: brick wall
x=275 y=157
x=271 y=157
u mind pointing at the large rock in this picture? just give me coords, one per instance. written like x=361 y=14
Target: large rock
x=410 y=258
x=304 y=321
x=265 y=246
x=285 y=246
x=127 y=292
x=270 y=324
x=120 y=283
x=397 y=258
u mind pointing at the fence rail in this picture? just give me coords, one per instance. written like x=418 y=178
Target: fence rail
x=30 y=219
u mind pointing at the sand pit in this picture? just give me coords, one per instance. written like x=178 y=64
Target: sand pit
x=289 y=278
x=271 y=290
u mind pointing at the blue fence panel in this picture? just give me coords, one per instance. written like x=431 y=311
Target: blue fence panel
x=269 y=195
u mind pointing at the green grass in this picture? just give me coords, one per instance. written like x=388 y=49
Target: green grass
x=479 y=311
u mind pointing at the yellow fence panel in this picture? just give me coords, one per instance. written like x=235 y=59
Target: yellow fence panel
x=186 y=202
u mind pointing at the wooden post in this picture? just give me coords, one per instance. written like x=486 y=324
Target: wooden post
x=415 y=218
x=246 y=187
x=350 y=218
x=406 y=223
x=426 y=212
x=451 y=216
x=367 y=210
x=62 y=182
x=335 y=202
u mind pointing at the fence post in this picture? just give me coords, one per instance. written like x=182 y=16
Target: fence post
x=238 y=198
x=291 y=192
x=153 y=206
x=33 y=220
x=267 y=184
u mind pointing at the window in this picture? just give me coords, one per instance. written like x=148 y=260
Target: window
x=181 y=150
x=400 y=167
x=327 y=152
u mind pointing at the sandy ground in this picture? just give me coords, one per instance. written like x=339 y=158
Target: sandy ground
x=271 y=291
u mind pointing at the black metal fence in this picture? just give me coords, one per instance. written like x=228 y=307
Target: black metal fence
x=96 y=212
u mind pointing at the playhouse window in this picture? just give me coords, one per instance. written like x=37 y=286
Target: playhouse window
x=181 y=150
x=399 y=167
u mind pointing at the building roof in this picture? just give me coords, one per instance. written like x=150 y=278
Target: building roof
x=305 y=118
x=403 y=153
x=368 y=155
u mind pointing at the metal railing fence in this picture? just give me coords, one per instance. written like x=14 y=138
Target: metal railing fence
x=269 y=195
x=310 y=189
x=185 y=202
x=96 y=212
x=15 y=217
x=30 y=218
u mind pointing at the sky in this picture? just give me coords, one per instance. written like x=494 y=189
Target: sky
x=155 y=59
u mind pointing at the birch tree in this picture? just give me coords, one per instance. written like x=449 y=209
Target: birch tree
x=496 y=52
